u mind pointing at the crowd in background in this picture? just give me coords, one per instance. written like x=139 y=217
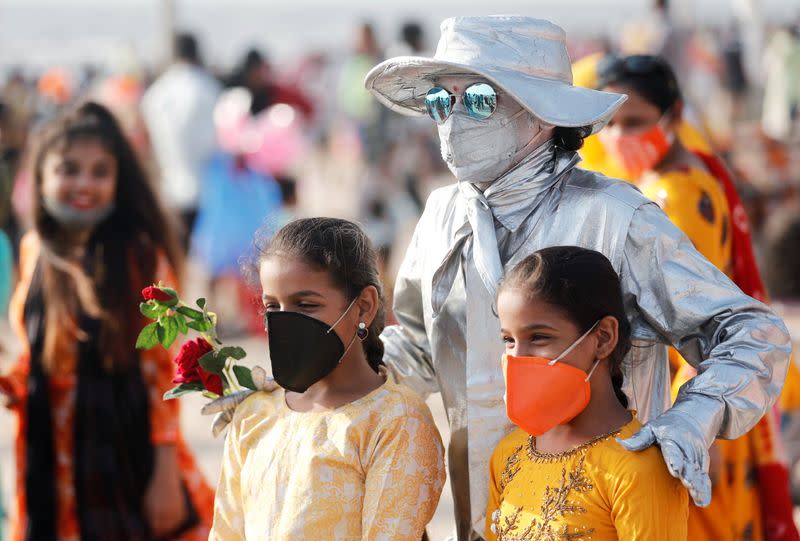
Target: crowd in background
x=235 y=149
x=308 y=139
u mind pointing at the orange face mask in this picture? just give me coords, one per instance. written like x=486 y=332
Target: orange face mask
x=543 y=393
x=638 y=152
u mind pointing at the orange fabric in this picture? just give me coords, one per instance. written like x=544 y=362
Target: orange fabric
x=750 y=500
x=157 y=371
x=734 y=513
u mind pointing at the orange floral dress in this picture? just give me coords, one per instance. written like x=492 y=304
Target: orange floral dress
x=157 y=372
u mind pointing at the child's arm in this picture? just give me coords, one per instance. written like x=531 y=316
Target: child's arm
x=647 y=502
x=228 y=507
x=405 y=476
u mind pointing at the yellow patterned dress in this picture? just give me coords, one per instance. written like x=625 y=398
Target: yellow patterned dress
x=598 y=491
x=369 y=470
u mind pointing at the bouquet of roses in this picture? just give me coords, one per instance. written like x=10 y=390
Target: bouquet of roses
x=204 y=364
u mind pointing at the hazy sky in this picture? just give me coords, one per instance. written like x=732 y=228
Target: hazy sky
x=42 y=32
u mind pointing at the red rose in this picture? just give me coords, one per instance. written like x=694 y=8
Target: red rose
x=211 y=382
x=153 y=293
x=189 y=369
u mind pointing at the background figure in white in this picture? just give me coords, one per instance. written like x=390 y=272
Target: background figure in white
x=178 y=111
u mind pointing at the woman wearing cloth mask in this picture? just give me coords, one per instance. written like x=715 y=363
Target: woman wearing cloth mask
x=693 y=188
x=99 y=453
x=339 y=452
x=499 y=89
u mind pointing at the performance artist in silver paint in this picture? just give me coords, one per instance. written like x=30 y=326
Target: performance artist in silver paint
x=509 y=120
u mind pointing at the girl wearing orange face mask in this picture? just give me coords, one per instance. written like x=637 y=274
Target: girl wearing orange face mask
x=562 y=474
x=750 y=497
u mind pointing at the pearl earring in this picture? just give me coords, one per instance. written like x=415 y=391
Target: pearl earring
x=362 y=331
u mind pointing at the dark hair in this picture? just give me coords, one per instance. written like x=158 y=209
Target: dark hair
x=649 y=76
x=342 y=249
x=126 y=245
x=570 y=138
x=583 y=284
x=411 y=33
x=186 y=48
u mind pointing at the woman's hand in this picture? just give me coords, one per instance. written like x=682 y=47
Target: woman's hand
x=8 y=397
x=164 y=502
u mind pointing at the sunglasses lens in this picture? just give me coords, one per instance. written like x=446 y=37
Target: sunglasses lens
x=439 y=103
x=480 y=100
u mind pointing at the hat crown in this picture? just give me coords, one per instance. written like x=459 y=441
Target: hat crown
x=531 y=46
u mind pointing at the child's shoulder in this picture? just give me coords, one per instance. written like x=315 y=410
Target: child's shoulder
x=257 y=407
x=509 y=445
x=396 y=402
x=621 y=463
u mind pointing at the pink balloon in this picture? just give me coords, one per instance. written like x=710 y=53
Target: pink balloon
x=275 y=139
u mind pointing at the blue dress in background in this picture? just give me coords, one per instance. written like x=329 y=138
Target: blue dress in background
x=235 y=203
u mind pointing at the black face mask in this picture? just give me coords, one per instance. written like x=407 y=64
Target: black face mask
x=302 y=349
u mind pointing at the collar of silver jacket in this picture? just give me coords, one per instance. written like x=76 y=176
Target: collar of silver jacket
x=514 y=195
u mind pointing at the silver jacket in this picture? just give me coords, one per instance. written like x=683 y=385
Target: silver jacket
x=673 y=295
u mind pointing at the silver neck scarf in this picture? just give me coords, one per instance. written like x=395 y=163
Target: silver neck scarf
x=510 y=200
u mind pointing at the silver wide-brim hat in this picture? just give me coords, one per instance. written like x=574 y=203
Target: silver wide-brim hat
x=522 y=57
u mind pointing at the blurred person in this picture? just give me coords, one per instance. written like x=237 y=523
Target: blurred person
x=56 y=88
x=19 y=100
x=99 y=454
x=256 y=75
x=782 y=275
x=289 y=209
x=510 y=139
x=781 y=108
x=657 y=33
x=735 y=78
x=339 y=450
x=410 y=41
x=178 y=112
x=697 y=194
x=235 y=201
x=355 y=102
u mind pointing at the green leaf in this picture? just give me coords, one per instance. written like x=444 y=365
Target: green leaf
x=201 y=303
x=200 y=326
x=191 y=313
x=244 y=377
x=183 y=328
x=235 y=352
x=182 y=389
x=170 y=327
x=212 y=363
x=148 y=337
x=151 y=311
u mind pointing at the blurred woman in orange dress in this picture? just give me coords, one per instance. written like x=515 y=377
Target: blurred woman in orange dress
x=99 y=454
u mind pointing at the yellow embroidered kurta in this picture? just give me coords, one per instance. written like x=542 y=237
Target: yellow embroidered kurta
x=370 y=470
x=598 y=491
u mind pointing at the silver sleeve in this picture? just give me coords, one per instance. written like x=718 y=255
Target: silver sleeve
x=739 y=347
x=407 y=352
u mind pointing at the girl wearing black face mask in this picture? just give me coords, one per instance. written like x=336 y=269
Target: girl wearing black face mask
x=340 y=452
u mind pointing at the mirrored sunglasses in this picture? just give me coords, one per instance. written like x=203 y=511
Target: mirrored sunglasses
x=479 y=99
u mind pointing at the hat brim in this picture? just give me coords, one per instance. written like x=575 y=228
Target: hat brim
x=401 y=84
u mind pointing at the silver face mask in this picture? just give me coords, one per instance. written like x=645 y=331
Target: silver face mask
x=72 y=218
x=478 y=151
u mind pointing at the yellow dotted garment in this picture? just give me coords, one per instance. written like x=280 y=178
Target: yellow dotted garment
x=598 y=491
x=370 y=470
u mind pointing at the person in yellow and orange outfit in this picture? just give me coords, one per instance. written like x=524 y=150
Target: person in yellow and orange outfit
x=99 y=454
x=562 y=473
x=750 y=496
